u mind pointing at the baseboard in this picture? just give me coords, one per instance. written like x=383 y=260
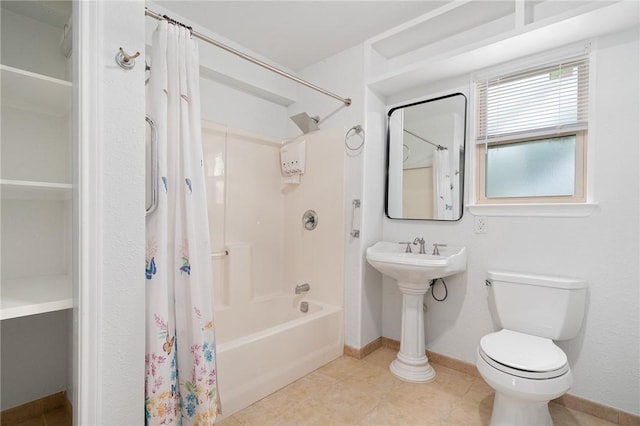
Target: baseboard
x=594 y=409
x=33 y=409
x=366 y=350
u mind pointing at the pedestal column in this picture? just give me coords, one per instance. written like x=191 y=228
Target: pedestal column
x=412 y=364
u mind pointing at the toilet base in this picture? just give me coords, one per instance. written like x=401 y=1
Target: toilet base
x=509 y=411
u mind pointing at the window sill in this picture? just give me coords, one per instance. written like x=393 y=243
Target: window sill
x=534 y=210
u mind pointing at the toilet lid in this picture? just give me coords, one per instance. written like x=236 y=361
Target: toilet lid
x=524 y=352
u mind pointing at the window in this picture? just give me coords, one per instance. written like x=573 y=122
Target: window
x=531 y=135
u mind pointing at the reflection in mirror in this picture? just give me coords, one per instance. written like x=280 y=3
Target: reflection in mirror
x=425 y=159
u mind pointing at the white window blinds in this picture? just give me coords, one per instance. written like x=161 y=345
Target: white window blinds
x=535 y=103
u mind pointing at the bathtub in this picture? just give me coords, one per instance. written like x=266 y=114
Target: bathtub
x=267 y=344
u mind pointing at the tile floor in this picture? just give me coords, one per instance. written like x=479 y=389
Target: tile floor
x=363 y=392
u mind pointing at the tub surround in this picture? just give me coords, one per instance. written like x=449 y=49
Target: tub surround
x=255 y=223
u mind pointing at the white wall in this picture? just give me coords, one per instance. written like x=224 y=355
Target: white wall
x=342 y=74
x=241 y=110
x=235 y=92
x=602 y=248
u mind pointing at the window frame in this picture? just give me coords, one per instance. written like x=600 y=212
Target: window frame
x=580 y=195
x=580 y=190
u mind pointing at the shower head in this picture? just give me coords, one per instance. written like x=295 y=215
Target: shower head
x=305 y=123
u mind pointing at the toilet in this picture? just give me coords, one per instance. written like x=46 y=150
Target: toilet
x=521 y=362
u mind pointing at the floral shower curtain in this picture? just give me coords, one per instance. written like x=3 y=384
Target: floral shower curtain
x=443 y=184
x=181 y=384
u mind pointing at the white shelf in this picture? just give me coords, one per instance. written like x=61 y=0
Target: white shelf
x=34 y=295
x=28 y=90
x=31 y=190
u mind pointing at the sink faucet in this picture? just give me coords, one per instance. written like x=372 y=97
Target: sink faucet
x=436 y=251
x=301 y=288
x=407 y=249
x=420 y=241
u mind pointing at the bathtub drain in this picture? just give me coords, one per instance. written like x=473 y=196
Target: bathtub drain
x=304 y=306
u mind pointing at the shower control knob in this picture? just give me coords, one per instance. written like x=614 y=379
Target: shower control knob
x=310 y=220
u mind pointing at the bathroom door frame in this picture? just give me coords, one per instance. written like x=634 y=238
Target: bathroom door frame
x=108 y=234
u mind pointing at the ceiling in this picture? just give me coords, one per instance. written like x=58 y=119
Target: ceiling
x=297 y=34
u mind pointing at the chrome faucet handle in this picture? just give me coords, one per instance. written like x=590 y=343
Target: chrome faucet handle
x=419 y=240
x=408 y=248
x=436 y=250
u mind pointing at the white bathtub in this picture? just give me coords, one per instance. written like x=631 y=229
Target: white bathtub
x=265 y=345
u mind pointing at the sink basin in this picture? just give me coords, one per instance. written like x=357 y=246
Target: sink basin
x=390 y=259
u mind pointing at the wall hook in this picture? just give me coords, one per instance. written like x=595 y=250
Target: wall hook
x=125 y=60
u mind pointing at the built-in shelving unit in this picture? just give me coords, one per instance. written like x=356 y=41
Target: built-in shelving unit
x=27 y=90
x=35 y=193
x=461 y=37
x=30 y=190
x=35 y=295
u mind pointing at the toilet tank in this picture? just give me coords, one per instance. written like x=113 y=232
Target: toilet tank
x=540 y=305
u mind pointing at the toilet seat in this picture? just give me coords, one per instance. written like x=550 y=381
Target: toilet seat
x=523 y=355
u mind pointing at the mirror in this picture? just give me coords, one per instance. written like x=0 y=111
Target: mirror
x=425 y=159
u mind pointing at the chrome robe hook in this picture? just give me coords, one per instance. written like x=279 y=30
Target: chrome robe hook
x=125 y=60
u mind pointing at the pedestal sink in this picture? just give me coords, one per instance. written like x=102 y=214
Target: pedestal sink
x=414 y=272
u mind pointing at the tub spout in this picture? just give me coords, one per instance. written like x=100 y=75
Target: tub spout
x=301 y=288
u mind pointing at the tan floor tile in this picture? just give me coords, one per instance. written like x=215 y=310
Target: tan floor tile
x=257 y=412
x=229 y=421
x=478 y=391
x=312 y=385
x=364 y=392
x=349 y=402
x=381 y=357
x=471 y=412
x=387 y=413
x=453 y=381
x=308 y=412
x=425 y=402
x=340 y=368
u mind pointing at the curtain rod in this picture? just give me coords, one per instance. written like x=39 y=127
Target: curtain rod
x=440 y=147
x=154 y=15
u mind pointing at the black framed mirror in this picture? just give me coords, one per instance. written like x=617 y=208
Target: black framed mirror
x=425 y=159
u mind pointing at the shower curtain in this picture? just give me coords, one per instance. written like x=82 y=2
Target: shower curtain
x=443 y=184
x=180 y=360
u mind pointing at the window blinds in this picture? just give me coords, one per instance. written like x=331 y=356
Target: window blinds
x=534 y=103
